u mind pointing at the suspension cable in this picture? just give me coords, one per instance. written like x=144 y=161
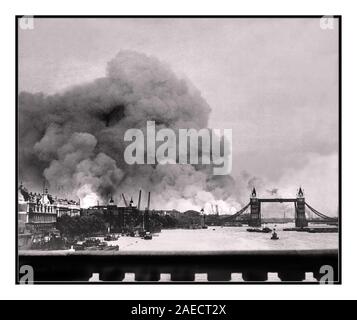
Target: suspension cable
x=319 y=214
x=240 y=212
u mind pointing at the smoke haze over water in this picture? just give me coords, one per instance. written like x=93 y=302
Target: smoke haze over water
x=274 y=82
x=74 y=139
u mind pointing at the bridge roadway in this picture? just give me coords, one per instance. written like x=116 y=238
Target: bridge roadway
x=277 y=199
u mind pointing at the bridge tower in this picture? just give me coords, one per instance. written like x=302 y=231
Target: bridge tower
x=300 y=216
x=255 y=215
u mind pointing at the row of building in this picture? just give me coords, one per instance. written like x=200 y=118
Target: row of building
x=38 y=212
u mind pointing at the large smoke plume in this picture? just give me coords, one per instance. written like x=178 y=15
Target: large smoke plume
x=74 y=139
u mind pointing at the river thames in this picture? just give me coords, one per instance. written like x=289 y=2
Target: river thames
x=228 y=238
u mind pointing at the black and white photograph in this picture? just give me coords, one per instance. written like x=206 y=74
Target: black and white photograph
x=178 y=149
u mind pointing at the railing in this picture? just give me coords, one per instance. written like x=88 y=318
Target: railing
x=235 y=266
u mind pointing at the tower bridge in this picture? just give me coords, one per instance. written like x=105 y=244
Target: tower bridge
x=300 y=205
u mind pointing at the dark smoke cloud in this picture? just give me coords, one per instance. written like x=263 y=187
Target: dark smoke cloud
x=75 y=139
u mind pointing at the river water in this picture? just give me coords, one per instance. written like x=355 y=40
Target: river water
x=228 y=238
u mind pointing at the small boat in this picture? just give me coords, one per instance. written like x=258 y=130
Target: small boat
x=147 y=236
x=94 y=248
x=322 y=230
x=111 y=248
x=264 y=230
x=274 y=236
x=102 y=245
x=111 y=237
x=78 y=247
x=91 y=242
x=50 y=242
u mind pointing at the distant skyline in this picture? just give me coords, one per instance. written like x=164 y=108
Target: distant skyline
x=273 y=81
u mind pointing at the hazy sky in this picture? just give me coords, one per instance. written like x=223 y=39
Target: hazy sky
x=273 y=81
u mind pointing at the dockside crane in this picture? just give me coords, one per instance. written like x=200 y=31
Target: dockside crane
x=148 y=208
x=146 y=211
x=139 y=200
x=125 y=202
